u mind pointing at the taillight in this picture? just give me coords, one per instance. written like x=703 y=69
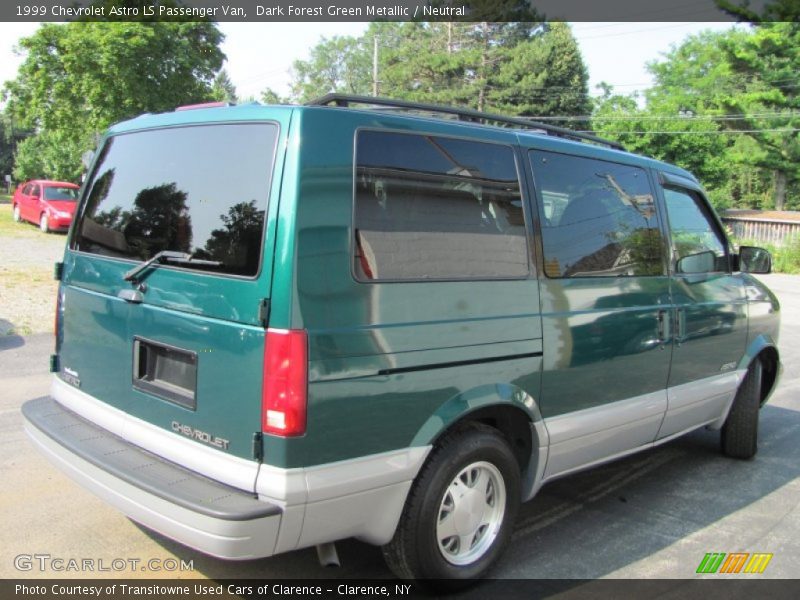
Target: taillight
x=285 y=382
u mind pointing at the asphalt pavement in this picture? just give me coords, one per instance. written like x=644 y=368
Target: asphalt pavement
x=654 y=515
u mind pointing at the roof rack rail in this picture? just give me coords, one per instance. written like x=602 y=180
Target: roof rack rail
x=463 y=114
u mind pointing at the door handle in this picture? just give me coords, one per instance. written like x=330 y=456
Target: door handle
x=132 y=296
x=663 y=324
x=680 y=325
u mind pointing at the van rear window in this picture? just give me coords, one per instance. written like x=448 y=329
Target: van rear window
x=69 y=194
x=201 y=190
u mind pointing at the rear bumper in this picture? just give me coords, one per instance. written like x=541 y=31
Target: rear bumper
x=59 y=224
x=202 y=513
x=204 y=498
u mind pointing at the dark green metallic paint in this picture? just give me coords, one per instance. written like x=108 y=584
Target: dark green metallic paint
x=216 y=317
x=763 y=313
x=599 y=336
x=358 y=329
x=601 y=341
x=479 y=397
x=713 y=334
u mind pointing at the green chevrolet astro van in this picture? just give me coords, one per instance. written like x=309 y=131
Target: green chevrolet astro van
x=282 y=326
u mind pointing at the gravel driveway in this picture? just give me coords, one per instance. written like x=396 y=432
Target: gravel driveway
x=27 y=288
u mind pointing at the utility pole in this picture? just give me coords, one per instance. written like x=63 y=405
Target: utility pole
x=483 y=73
x=449 y=37
x=375 y=65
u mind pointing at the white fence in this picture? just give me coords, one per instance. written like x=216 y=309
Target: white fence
x=768 y=227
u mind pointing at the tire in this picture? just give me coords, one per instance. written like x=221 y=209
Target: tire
x=44 y=223
x=740 y=432
x=17 y=217
x=471 y=470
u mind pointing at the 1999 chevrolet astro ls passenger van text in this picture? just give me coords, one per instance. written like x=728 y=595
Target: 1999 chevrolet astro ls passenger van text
x=278 y=327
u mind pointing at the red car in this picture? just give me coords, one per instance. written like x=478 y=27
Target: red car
x=50 y=204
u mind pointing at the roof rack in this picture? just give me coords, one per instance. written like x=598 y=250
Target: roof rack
x=463 y=114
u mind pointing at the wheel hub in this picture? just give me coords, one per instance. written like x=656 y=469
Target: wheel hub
x=471 y=513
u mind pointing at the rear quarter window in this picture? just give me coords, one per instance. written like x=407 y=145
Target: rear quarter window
x=430 y=207
x=201 y=190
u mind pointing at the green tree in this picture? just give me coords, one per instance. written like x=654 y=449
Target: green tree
x=543 y=74
x=665 y=130
x=724 y=105
x=697 y=74
x=223 y=89
x=771 y=10
x=747 y=79
x=270 y=96
x=337 y=64
x=766 y=64
x=49 y=154
x=520 y=68
x=428 y=62
x=78 y=78
x=10 y=137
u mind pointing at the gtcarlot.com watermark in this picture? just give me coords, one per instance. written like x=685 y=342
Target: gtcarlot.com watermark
x=44 y=563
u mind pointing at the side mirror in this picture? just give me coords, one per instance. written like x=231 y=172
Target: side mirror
x=702 y=262
x=754 y=260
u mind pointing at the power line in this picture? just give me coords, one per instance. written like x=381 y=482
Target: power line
x=638 y=16
x=556 y=89
x=620 y=34
x=729 y=117
x=719 y=132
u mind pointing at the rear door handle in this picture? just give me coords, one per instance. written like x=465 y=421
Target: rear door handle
x=663 y=321
x=133 y=296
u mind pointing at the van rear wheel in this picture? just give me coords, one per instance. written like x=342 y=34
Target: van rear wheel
x=460 y=511
x=740 y=432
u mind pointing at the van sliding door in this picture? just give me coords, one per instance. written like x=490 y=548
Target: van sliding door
x=605 y=305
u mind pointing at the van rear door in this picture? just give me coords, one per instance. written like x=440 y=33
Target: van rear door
x=178 y=342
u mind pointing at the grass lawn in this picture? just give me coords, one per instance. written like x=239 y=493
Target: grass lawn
x=27 y=288
x=7 y=225
x=10 y=229
x=26 y=231
x=23 y=230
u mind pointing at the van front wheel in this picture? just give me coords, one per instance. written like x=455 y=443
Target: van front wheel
x=460 y=511
x=740 y=432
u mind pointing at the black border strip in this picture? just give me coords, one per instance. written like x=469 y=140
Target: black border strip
x=458 y=363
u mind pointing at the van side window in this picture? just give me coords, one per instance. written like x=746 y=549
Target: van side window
x=429 y=207
x=696 y=241
x=598 y=218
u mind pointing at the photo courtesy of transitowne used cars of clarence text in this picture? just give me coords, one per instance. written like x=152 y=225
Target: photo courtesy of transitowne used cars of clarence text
x=282 y=326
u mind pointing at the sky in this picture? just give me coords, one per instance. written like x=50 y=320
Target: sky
x=260 y=54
